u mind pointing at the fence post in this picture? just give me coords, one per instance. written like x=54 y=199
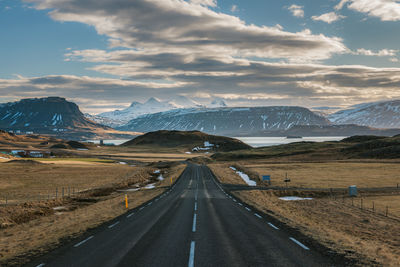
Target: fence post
x=361 y=203
x=373 y=206
x=387 y=210
x=56 y=193
x=6 y=199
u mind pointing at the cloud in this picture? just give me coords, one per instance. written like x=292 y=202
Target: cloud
x=328 y=17
x=212 y=3
x=386 y=10
x=380 y=53
x=171 y=25
x=296 y=10
x=234 y=8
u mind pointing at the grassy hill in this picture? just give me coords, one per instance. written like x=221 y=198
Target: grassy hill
x=189 y=140
x=355 y=147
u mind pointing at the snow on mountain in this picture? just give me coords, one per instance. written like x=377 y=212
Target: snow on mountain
x=227 y=120
x=136 y=109
x=384 y=114
x=217 y=103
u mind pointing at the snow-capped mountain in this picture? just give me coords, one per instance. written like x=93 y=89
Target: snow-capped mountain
x=227 y=120
x=136 y=109
x=50 y=115
x=377 y=114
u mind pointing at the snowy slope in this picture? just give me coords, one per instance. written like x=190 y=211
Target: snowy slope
x=226 y=120
x=153 y=105
x=377 y=114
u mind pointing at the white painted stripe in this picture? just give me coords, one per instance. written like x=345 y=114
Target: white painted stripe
x=257 y=215
x=129 y=215
x=194 y=223
x=234 y=200
x=273 y=226
x=84 y=241
x=141 y=208
x=150 y=203
x=247 y=208
x=195 y=206
x=112 y=225
x=41 y=265
x=298 y=243
x=191 y=256
x=240 y=204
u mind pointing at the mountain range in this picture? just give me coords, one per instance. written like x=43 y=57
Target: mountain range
x=59 y=117
x=52 y=116
x=153 y=105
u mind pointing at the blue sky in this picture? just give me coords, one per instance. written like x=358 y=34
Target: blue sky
x=106 y=54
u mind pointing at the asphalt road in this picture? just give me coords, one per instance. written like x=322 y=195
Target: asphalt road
x=195 y=223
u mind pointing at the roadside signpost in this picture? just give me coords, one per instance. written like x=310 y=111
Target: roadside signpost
x=287 y=180
x=267 y=178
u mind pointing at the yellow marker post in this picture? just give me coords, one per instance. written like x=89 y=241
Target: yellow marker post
x=171 y=180
x=126 y=200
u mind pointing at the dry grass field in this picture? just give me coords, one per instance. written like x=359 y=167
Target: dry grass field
x=37 y=236
x=34 y=227
x=356 y=233
x=225 y=174
x=27 y=181
x=330 y=174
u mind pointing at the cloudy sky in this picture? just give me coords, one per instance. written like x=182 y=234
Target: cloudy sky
x=104 y=54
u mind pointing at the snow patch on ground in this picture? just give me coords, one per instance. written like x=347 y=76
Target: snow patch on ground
x=150 y=186
x=294 y=198
x=244 y=176
x=122 y=163
x=160 y=177
x=156 y=171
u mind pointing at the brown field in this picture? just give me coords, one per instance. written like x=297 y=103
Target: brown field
x=356 y=233
x=330 y=174
x=226 y=175
x=32 y=228
x=21 y=182
x=37 y=236
x=379 y=204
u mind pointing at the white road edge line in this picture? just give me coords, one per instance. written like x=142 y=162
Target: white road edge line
x=258 y=215
x=41 y=265
x=191 y=256
x=141 y=208
x=112 y=225
x=80 y=243
x=195 y=206
x=129 y=215
x=240 y=204
x=194 y=223
x=299 y=243
x=247 y=208
x=273 y=226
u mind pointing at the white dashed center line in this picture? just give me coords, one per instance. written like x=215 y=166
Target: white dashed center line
x=114 y=224
x=273 y=226
x=80 y=243
x=299 y=243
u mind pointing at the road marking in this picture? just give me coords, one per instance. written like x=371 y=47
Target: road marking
x=191 y=256
x=273 y=226
x=240 y=204
x=299 y=243
x=141 y=208
x=41 y=265
x=129 y=215
x=195 y=206
x=247 y=208
x=194 y=223
x=80 y=243
x=258 y=215
x=234 y=200
x=150 y=203
x=112 y=225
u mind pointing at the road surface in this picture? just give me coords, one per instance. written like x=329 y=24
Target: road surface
x=195 y=223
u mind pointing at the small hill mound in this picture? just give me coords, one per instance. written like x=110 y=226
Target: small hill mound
x=195 y=140
x=76 y=145
x=362 y=138
x=24 y=162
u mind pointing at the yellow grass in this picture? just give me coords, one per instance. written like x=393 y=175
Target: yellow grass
x=46 y=232
x=225 y=174
x=331 y=174
x=340 y=227
x=27 y=182
x=379 y=204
